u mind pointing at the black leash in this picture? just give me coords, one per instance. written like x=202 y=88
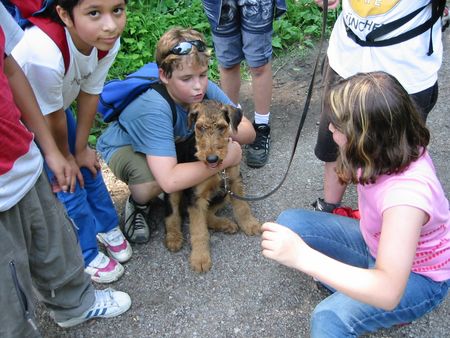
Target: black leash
x=302 y=120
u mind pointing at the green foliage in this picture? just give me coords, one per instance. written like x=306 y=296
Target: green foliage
x=300 y=26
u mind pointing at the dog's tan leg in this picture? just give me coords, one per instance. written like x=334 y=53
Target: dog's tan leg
x=200 y=255
x=174 y=235
x=242 y=213
x=217 y=223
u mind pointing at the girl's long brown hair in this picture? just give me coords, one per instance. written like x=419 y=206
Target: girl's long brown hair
x=384 y=130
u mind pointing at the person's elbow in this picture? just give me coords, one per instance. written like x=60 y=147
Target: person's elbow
x=168 y=185
x=391 y=298
x=390 y=305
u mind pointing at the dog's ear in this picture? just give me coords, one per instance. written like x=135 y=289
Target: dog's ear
x=233 y=115
x=193 y=114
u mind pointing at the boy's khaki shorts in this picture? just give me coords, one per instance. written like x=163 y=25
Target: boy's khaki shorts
x=130 y=167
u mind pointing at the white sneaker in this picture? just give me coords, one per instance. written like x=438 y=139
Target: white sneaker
x=104 y=269
x=108 y=303
x=136 y=229
x=116 y=244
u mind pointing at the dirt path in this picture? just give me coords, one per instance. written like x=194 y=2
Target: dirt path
x=245 y=295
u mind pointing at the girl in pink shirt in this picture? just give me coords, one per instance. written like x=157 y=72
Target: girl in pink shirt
x=392 y=266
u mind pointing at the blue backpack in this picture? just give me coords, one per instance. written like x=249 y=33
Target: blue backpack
x=117 y=94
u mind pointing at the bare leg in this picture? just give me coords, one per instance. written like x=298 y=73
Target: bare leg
x=230 y=82
x=144 y=192
x=262 y=88
x=333 y=189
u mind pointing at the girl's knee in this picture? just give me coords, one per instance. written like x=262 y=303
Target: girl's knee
x=325 y=322
x=288 y=217
x=291 y=218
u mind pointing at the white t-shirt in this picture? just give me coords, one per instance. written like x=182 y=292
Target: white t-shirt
x=42 y=62
x=407 y=61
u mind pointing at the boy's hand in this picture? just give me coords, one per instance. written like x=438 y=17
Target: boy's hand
x=331 y=3
x=76 y=173
x=283 y=245
x=64 y=174
x=87 y=158
x=234 y=155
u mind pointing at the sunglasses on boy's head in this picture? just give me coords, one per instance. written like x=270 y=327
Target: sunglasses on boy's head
x=185 y=47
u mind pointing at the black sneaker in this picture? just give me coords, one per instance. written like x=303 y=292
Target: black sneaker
x=258 y=152
x=321 y=205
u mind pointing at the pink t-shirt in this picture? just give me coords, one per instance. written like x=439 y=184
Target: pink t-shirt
x=418 y=187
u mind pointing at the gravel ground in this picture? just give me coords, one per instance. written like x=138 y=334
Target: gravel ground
x=244 y=294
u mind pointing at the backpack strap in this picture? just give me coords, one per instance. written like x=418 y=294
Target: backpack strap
x=162 y=90
x=57 y=33
x=436 y=12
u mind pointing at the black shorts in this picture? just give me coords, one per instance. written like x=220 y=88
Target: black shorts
x=326 y=149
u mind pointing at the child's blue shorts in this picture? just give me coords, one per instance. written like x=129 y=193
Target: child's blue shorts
x=244 y=33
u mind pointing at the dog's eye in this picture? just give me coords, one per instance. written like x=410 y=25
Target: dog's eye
x=222 y=129
x=200 y=128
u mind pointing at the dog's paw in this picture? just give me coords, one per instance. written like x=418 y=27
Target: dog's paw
x=230 y=227
x=174 y=242
x=201 y=261
x=251 y=227
x=222 y=224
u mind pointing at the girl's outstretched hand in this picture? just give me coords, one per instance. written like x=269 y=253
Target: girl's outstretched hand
x=283 y=245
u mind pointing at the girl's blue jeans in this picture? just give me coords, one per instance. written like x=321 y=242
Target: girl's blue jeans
x=339 y=315
x=91 y=208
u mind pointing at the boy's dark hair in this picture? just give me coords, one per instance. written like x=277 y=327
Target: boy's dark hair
x=67 y=5
x=384 y=130
x=167 y=61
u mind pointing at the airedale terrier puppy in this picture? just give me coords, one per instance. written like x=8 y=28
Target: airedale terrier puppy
x=214 y=122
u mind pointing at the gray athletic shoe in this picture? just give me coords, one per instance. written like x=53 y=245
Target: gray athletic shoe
x=136 y=228
x=258 y=152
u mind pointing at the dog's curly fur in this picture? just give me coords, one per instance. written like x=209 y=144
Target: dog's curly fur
x=214 y=122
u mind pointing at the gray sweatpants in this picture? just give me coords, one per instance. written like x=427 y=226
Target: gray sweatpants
x=39 y=250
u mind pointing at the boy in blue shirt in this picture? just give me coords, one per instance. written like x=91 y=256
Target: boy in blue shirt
x=140 y=147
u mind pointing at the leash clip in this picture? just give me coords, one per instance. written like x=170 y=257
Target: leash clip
x=224 y=176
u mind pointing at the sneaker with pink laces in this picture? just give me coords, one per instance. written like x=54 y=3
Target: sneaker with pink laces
x=104 y=269
x=116 y=244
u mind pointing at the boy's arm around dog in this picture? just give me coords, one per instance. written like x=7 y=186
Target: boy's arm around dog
x=173 y=176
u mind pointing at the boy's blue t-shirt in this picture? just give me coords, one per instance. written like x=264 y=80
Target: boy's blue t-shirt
x=148 y=125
